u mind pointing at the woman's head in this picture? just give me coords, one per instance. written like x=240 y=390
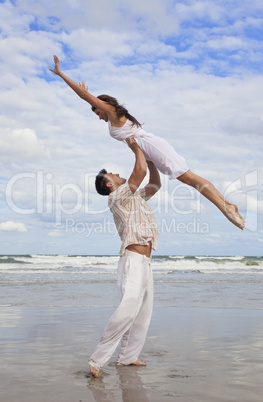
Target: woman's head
x=109 y=99
x=120 y=110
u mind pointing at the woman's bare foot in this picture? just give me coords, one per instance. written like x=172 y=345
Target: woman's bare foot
x=94 y=371
x=234 y=216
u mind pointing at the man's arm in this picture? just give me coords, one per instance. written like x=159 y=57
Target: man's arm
x=154 y=181
x=81 y=91
x=140 y=167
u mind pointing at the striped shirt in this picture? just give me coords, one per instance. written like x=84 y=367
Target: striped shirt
x=133 y=217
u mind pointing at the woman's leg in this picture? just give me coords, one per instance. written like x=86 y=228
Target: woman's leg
x=208 y=190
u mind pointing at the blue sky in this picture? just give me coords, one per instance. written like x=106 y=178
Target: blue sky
x=190 y=71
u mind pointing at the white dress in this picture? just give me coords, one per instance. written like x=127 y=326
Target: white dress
x=155 y=149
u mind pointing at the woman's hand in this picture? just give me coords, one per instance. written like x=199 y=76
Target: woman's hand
x=57 y=69
x=82 y=85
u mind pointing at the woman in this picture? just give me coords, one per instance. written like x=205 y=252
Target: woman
x=123 y=125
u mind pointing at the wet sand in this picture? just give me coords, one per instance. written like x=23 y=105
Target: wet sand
x=192 y=354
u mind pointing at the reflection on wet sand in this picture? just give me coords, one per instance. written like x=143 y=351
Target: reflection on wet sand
x=130 y=384
x=45 y=348
x=99 y=390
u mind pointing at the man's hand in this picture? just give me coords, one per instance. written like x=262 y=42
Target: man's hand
x=57 y=69
x=131 y=142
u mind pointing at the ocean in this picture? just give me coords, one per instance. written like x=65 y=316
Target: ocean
x=90 y=281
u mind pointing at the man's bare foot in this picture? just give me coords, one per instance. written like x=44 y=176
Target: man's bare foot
x=94 y=371
x=234 y=216
x=138 y=363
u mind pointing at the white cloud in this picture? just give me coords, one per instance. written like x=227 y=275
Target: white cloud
x=227 y=42
x=149 y=16
x=10 y=226
x=21 y=144
x=12 y=21
x=102 y=43
x=56 y=233
x=199 y=10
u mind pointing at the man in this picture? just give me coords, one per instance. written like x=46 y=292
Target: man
x=138 y=231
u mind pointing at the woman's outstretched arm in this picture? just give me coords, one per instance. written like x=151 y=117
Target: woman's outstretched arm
x=81 y=91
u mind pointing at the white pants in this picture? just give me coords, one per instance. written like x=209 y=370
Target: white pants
x=130 y=322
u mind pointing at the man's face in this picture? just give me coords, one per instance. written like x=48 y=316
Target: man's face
x=114 y=179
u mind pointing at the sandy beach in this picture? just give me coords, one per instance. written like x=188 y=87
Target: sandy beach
x=192 y=354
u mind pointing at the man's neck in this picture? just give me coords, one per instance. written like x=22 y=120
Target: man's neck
x=115 y=187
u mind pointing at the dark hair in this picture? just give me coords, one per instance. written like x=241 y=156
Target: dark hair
x=120 y=110
x=100 y=183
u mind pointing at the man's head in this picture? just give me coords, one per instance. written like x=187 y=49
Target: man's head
x=106 y=182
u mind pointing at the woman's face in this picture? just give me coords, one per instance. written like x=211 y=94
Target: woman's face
x=102 y=115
